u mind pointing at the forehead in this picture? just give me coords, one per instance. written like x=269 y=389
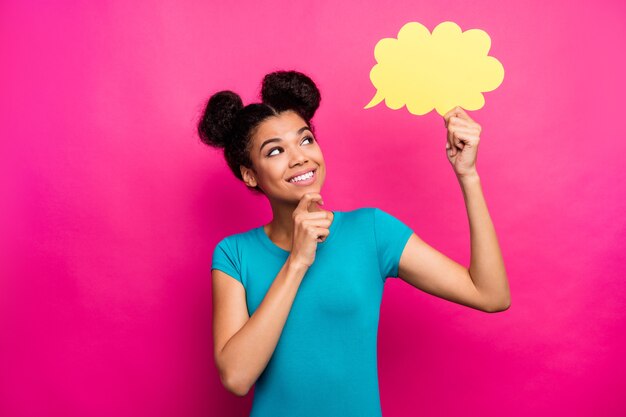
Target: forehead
x=284 y=125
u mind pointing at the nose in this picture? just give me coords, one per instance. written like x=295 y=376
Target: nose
x=298 y=158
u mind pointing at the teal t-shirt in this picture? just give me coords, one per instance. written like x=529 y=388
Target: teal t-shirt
x=325 y=362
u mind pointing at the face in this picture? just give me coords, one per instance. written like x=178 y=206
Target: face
x=284 y=147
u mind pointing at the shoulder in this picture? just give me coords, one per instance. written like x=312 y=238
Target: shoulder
x=238 y=240
x=368 y=210
x=366 y=215
x=360 y=213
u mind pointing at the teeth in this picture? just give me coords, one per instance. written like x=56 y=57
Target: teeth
x=302 y=177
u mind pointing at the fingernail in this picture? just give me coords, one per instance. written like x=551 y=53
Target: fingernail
x=447 y=145
x=321 y=202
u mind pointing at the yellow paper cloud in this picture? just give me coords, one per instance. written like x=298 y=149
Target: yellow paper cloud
x=446 y=69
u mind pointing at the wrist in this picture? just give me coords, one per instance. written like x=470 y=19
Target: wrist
x=469 y=178
x=296 y=266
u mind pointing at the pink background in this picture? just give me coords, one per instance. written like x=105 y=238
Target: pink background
x=111 y=206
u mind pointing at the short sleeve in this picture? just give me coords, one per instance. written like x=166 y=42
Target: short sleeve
x=391 y=237
x=225 y=259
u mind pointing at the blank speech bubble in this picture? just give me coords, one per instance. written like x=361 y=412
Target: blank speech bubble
x=441 y=70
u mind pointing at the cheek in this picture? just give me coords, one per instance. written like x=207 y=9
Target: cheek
x=318 y=155
x=274 y=172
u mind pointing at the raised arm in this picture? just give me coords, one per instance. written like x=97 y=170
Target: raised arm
x=484 y=285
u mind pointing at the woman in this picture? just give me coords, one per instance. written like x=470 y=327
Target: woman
x=296 y=302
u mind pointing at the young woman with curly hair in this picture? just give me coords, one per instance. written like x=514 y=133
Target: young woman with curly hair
x=296 y=301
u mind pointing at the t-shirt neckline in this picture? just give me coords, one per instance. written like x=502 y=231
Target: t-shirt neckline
x=274 y=248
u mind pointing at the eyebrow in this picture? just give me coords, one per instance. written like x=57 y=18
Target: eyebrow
x=302 y=129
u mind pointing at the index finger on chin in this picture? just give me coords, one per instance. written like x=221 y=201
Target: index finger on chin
x=306 y=200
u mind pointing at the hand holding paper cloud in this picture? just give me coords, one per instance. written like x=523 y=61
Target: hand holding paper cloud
x=462 y=144
x=446 y=69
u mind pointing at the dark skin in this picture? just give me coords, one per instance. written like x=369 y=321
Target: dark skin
x=296 y=150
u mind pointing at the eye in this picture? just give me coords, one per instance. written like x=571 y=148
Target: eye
x=309 y=138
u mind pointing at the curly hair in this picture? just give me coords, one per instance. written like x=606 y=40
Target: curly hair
x=227 y=124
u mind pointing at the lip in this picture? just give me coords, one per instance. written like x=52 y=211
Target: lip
x=305 y=182
x=301 y=172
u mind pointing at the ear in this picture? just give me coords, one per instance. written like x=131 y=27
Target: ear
x=248 y=176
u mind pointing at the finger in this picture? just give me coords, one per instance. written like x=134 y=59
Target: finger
x=321 y=233
x=462 y=114
x=315 y=215
x=457 y=143
x=449 y=113
x=452 y=112
x=464 y=139
x=451 y=148
x=456 y=120
x=455 y=147
x=450 y=139
x=464 y=133
x=457 y=111
x=315 y=198
x=306 y=200
x=323 y=222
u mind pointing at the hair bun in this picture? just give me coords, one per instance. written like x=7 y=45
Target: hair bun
x=291 y=90
x=218 y=118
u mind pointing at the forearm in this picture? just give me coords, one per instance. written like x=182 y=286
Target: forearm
x=247 y=353
x=487 y=268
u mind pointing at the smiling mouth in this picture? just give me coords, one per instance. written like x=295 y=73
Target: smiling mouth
x=312 y=175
